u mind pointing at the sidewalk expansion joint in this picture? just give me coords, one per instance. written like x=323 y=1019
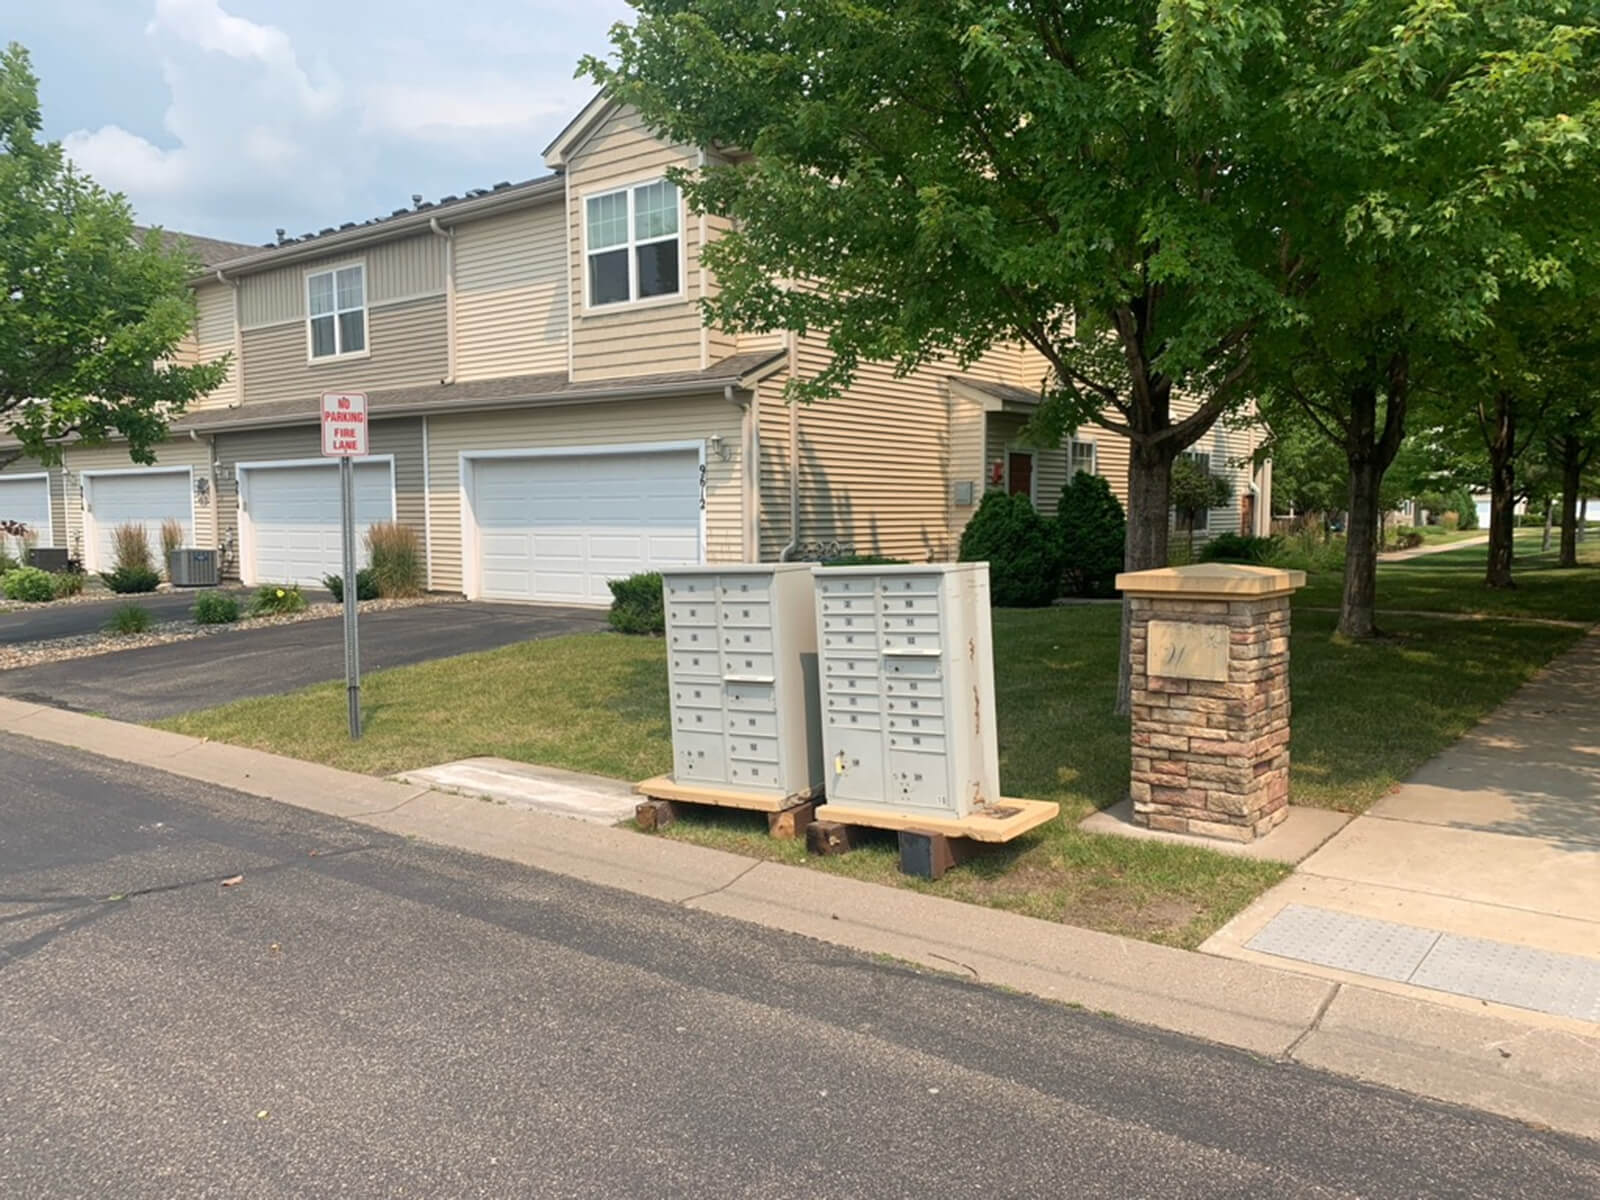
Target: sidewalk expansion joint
x=1316 y=1023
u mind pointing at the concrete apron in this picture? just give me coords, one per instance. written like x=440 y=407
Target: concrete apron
x=1493 y=848
x=1524 y=1069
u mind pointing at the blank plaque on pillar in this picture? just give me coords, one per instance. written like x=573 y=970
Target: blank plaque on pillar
x=1188 y=650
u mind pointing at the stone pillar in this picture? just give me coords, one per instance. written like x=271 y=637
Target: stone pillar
x=1210 y=692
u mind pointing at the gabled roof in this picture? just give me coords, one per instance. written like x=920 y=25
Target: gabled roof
x=741 y=371
x=558 y=152
x=998 y=397
x=209 y=251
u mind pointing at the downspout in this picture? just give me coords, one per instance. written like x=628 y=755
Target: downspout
x=788 y=552
x=449 y=236
x=749 y=453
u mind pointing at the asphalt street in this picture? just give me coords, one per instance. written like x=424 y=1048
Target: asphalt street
x=90 y=616
x=359 y=1015
x=162 y=681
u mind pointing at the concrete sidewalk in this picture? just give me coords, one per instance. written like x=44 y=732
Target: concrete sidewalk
x=1493 y=848
x=1529 y=1070
x=1389 y=556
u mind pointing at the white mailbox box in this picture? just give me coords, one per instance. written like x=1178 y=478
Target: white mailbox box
x=908 y=722
x=742 y=669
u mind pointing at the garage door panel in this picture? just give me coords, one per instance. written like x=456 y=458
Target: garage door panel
x=294 y=514
x=27 y=501
x=557 y=528
x=147 y=499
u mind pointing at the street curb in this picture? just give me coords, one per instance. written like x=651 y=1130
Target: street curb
x=1485 y=1061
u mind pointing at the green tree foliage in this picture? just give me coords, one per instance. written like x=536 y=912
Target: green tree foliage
x=1093 y=529
x=1196 y=490
x=1022 y=548
x=91 y=313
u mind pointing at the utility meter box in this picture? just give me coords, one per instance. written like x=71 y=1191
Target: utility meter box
x=742 y=668
x=908 y=688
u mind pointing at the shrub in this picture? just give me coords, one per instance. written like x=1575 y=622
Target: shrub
x=129 y=619
x=1308 y=550
x=171 y=537
x=1240 y=548
x=1093 y=532
x=1403 y=537
x=28 y=583
x=132 y=579
x=1022 y=548
x=366 y=585
x=7 y=563
x=67 y=583
x=130 y=548
x=636 y=604
x=215 y=608
x=277 y=599
x=1450 y=520
x=398 y=566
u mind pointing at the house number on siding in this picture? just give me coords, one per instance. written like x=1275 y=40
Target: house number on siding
x=702 y=487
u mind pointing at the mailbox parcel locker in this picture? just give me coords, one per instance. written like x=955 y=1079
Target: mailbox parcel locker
x=908 y=688
x=742 y=669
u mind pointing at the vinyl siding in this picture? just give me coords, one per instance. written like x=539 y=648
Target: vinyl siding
x=180 y=452
x=402 y=438
x=968 y=456
x=408 y=344
x=689 y=419
x=214 y=339
x=630 y=340
x=511 y=294
x=401 y=270
x=58 y=497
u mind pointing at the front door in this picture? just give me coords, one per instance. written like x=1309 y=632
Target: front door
x=1247 y=514
x=1019 y=474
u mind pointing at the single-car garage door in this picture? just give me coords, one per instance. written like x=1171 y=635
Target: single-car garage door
x=26 y=500
x=555 y=528
x=145 y=498
x=291 y=517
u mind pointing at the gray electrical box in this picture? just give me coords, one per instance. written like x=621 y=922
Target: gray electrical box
x=908 y=688
x=742 y=670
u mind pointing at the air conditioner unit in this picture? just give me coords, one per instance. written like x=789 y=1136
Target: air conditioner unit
x=192 y=568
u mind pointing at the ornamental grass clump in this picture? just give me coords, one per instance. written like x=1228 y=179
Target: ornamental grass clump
x=397 y=564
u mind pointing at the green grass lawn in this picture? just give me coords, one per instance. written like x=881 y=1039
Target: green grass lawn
x=1365 y=717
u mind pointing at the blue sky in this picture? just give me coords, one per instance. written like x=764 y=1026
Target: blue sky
x=231 y=118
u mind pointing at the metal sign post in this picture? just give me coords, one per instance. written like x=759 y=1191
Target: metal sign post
x=344 y=436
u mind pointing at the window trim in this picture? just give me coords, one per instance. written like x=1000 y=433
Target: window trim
x=333 y=269
x=632 y=245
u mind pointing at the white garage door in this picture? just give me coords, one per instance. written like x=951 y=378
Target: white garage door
x=146 y=498
x=293 y=514
x=557 y=528
x=26 y=499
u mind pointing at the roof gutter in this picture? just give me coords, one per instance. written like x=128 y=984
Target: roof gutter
x=388 y=227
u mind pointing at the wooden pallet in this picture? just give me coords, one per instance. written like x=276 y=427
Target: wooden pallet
x=787 y=816
x=929 y=846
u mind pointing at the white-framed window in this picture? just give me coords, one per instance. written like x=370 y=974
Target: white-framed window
x=633 y=244
x=336 y=311
x=1201 y=459
x=1080 y=457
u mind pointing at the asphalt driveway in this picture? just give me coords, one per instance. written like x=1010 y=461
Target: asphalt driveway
x=90 y=616
x=163 y=681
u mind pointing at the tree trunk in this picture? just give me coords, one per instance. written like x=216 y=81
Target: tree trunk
x=1500 y=435
x=1359 y=605
x=1549 y=516
x=1571 y=481
x=1149 y=486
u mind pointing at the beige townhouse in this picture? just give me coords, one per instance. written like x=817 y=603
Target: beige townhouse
x=548 y=410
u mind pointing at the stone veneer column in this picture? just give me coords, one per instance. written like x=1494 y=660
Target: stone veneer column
x=1210 y=694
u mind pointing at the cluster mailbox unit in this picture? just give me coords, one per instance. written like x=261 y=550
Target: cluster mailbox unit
x=908 y=688
x=742 y=655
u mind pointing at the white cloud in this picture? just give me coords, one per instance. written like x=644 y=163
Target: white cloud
x=260 y=131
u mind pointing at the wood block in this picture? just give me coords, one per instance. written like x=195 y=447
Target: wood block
x=790 y=823
x=930 y=855
x=655 y=814
x=829 y=837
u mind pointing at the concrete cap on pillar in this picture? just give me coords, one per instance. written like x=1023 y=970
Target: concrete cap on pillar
x=1224 y=581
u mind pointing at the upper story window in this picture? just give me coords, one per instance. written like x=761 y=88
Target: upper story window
x=336 y=304
x=632 y=244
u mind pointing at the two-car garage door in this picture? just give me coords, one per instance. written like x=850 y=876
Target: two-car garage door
x=289 y=517
x=556 y=527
